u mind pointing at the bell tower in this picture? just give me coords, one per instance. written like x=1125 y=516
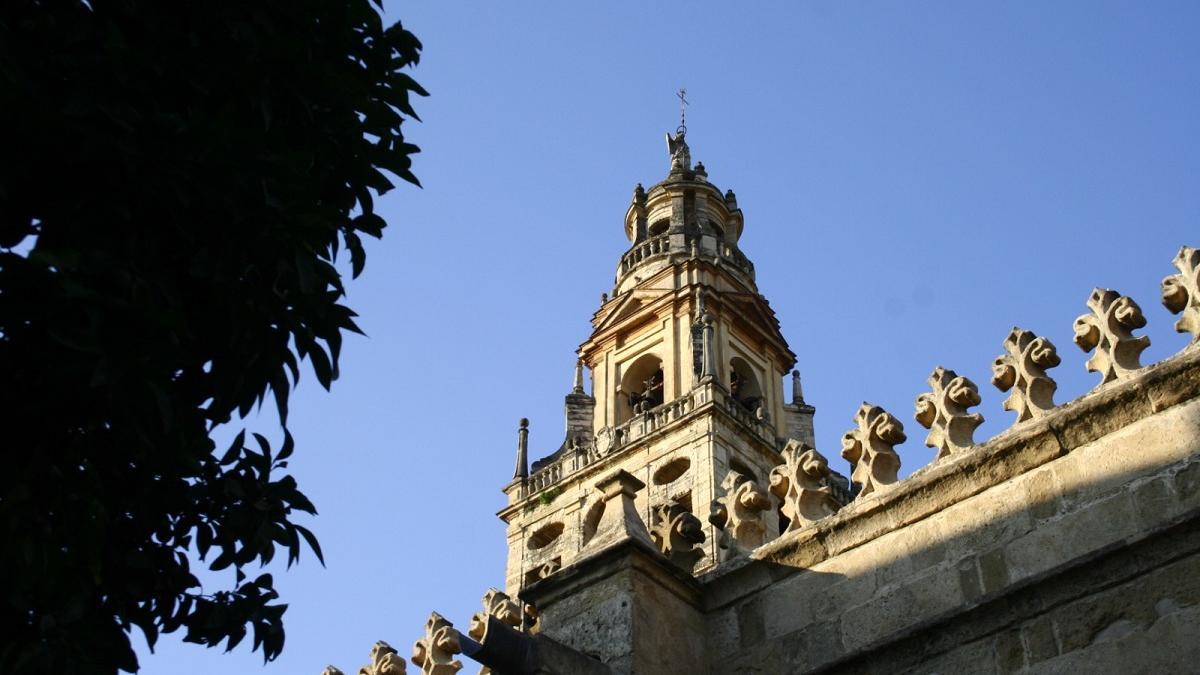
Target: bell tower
x=687 y=367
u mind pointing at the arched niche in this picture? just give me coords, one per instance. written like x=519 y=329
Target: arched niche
x=671 y=471
x=592 y=520
x=743 y=383
x=641 y=387
x=545 y=535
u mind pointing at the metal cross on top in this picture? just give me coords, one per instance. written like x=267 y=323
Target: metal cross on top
x=683 y=102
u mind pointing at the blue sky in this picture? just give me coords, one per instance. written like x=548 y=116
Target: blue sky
x=917 y=178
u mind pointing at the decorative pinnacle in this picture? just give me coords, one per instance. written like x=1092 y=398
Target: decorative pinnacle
x=577 y=385
x=522 y=470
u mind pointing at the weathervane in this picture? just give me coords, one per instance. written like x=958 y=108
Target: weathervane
x=681 y=156
x=683 y=102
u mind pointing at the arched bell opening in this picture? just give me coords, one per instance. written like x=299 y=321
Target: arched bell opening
x=743 y=384
x=641 y=387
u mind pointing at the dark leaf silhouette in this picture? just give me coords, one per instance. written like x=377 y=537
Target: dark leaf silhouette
x=176 y=185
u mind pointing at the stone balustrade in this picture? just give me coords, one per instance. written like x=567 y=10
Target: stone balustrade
x=660 y=246
x=647 y=424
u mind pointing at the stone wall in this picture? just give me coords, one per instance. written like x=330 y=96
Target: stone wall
x=1066 y=544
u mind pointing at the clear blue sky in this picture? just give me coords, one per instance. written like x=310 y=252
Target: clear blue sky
x=916 y=177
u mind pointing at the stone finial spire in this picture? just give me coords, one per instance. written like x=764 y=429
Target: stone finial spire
x=577 y=384
x=522 y=471
x=797 y=389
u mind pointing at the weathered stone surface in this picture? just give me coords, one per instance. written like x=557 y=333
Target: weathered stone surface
x=384 y=661
x=620 y=519
x=498 y=605
x=677 y=533
x=944 y=412
x=1038 y=549
x=740 y=513
x=1181 y=292
x=870 y=448
x=434 y=653
x=799 y=485
x=1109 y=330
x=1021 y=371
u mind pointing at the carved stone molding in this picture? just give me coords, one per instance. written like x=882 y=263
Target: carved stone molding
x=434 y=653
x=870 y=448
x=1108 y=330
x=496 y=604
x=739 y=513
x=677 y=533
x=799 y=484
x=384 y=661
x=544 y=570
x=1021 y=371
x=943 y=411
x=1181 y=292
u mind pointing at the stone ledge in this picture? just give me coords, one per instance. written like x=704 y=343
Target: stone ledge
x=1010 y=454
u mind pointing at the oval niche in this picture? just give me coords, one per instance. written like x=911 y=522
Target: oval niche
x=671 y=471
x=545 y=535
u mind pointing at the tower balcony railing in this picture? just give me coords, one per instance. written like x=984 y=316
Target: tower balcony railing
x=654 y=247
x=660 y=247
x=645 y=424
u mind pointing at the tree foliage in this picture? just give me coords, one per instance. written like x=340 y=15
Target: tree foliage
x=176 y=183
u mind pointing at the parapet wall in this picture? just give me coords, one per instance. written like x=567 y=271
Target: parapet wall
x=1067 y=541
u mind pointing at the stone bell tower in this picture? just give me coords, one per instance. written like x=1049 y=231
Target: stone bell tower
x=687 y=366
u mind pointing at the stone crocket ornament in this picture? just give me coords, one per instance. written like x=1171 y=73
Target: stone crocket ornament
x=944 y=412
x=739 y=513
x=384 y=661
x=1181 y=292
x=504 y=609
x=798 y=483
x=1109 y=330
x=677 y=533
x=434 y=653
x=870 y=448
x=1021 y=371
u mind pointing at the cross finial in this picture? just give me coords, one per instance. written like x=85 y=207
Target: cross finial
x=683 y=102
